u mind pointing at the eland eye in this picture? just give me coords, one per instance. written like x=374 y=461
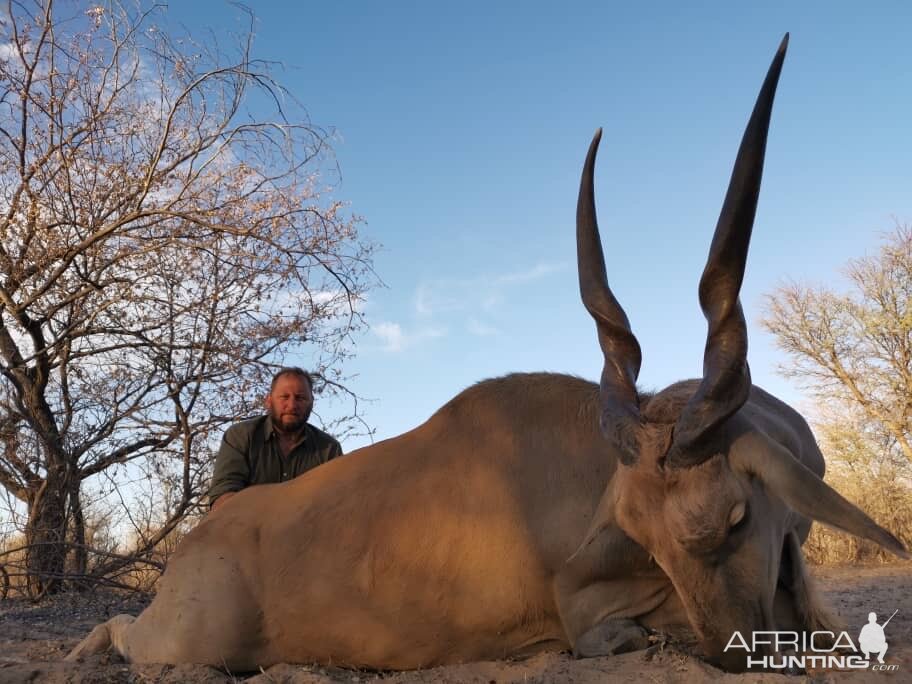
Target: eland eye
x=737 y=518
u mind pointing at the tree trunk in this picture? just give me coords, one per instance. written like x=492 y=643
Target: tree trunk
x=77 y=530
x=45 y=536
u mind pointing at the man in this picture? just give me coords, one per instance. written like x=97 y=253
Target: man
x=276 y=447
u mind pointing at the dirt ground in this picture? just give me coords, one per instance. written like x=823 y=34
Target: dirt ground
x=35 y=637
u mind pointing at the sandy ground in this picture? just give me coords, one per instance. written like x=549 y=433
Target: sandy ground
x=35 y=637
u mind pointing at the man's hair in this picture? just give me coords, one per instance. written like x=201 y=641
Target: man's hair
x=293 y=370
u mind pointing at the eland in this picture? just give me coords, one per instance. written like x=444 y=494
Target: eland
x=531 y=512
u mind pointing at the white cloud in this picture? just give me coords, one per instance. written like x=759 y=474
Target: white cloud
x=469 y=298
x=422 y=301
x=479 y=329
x=395 y=339
x=391 y=336
x=444 y=295
x=440 y=296
x=8 y=51
x=332 y=302
x=537 y=272
x=492 y=301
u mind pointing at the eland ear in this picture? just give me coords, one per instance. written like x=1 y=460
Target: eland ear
x=804 y=492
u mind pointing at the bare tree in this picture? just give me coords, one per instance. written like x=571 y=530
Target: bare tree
x=164 y=240
x=854 y=351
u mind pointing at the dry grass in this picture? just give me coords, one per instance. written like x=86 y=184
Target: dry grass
x=136 y=576
x=12 y=562
x=885 y=496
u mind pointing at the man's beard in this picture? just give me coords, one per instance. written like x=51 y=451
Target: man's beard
x=289 y=424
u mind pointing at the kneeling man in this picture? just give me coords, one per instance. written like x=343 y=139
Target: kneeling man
x=275 y=447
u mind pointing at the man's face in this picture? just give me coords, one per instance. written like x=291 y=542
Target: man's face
x=289 y=403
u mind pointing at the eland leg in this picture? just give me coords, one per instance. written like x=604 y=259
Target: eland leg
x=102 y=638
x=611 y=637
x=602 y=592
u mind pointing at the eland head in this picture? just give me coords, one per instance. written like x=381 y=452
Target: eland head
x=707 y=489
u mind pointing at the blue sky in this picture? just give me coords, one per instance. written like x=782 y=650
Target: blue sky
x=461 y=132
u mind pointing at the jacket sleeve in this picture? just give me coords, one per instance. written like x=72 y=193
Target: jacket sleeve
x=232 y=467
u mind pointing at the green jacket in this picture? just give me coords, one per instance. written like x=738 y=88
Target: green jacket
x=250 y=455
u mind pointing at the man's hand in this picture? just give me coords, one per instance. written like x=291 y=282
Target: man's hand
x=221 y=500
